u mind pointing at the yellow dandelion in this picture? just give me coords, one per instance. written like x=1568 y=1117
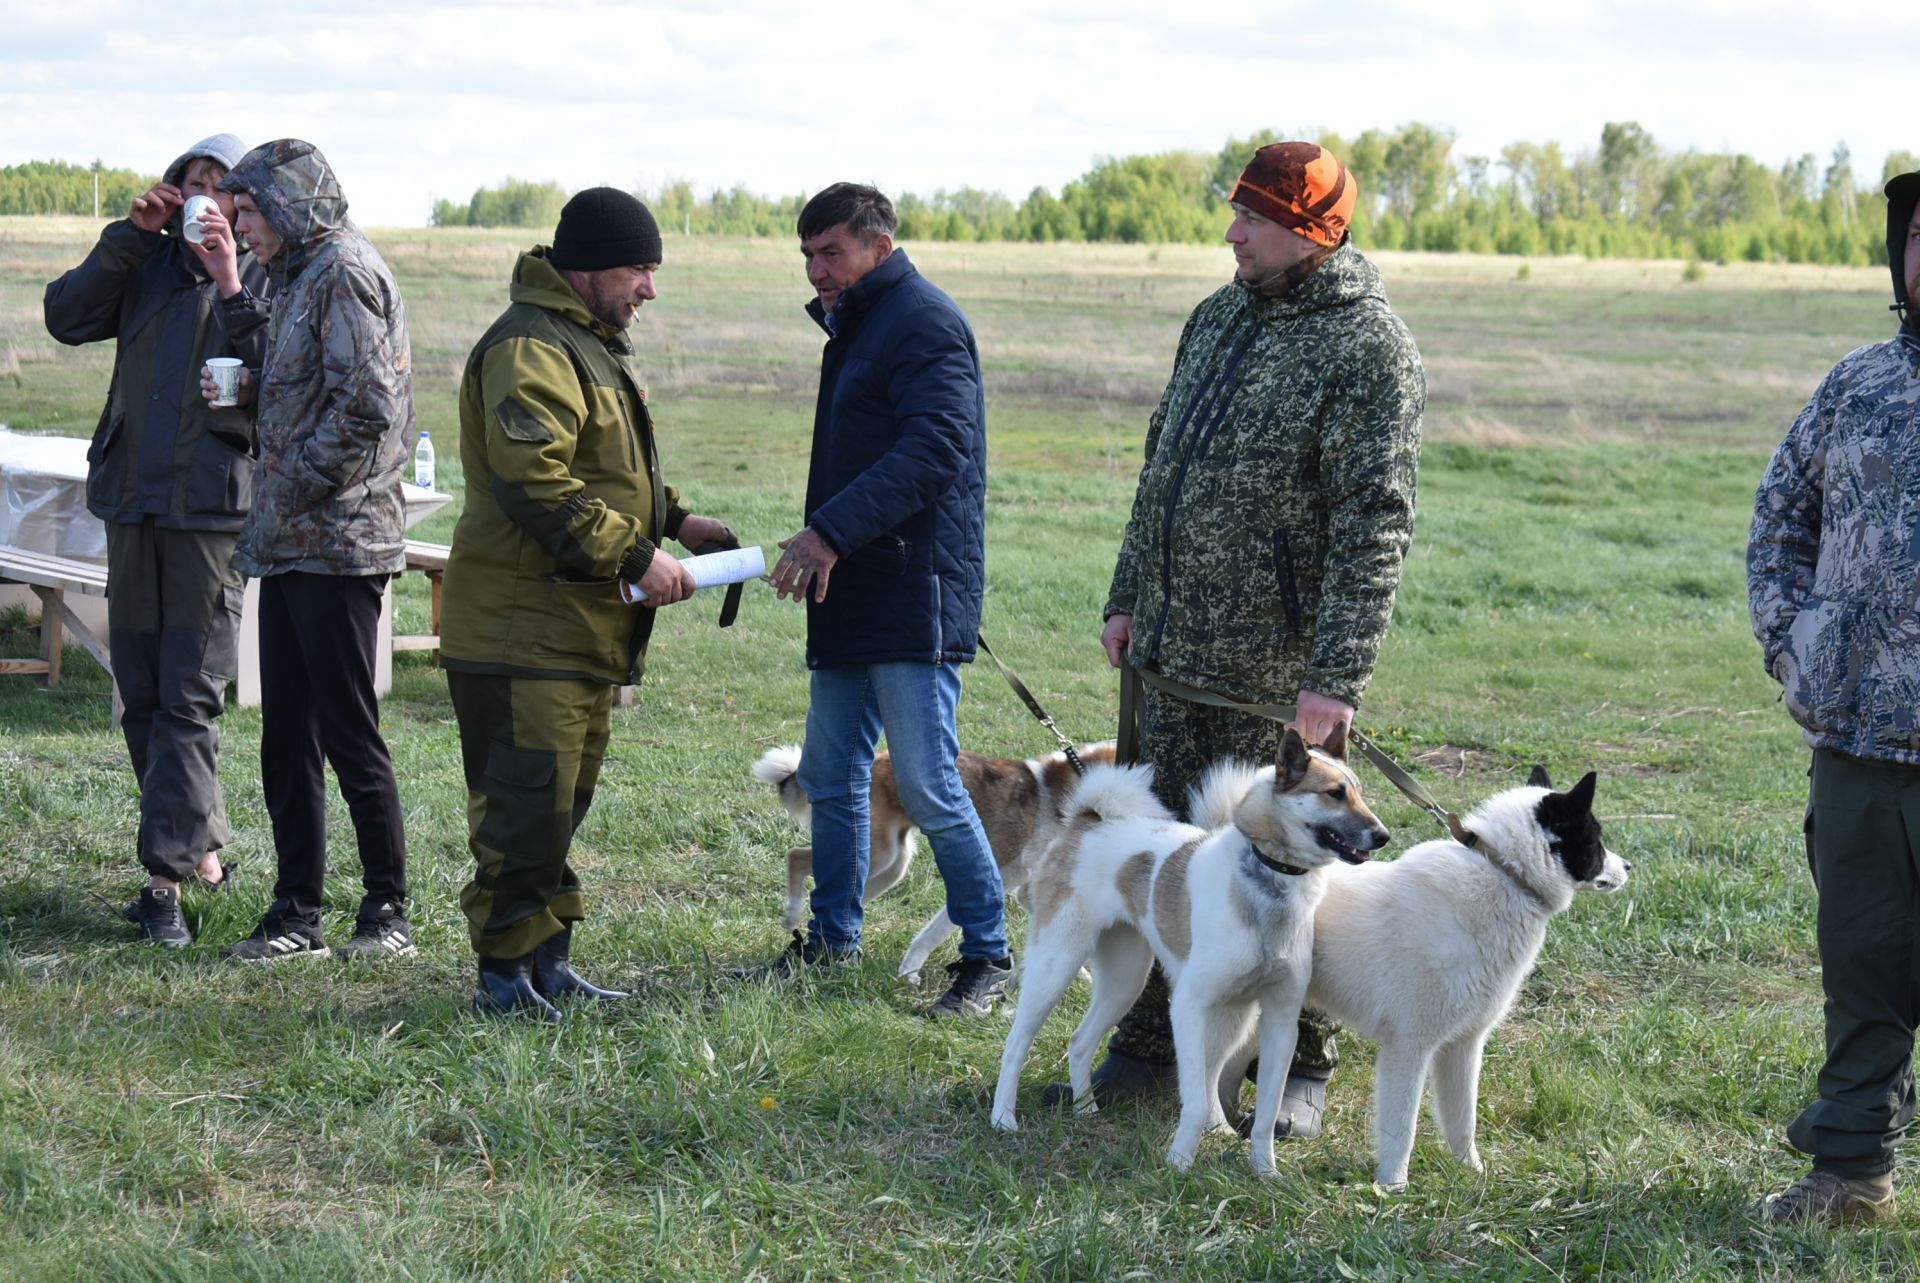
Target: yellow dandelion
x=768 y=1102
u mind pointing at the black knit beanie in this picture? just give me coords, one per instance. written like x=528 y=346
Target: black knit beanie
x=604 y=227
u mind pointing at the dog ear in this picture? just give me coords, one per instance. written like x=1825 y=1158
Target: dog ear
x=1335 y=745
x=1537 y=778
x=1292 y=764
x=1581 y=794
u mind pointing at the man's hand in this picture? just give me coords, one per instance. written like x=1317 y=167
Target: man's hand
x=805 y=557
x=210 y=391
x=151 y=212
x=1117 y=637
x=1317 y=716
x=695 y=531
x=218 y=252
x=666 y=581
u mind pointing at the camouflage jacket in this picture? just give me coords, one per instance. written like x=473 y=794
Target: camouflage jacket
x=1833 y=562
x=335 y=407
x=1276 y=501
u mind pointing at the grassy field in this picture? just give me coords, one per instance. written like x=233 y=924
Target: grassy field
x=1575 y=596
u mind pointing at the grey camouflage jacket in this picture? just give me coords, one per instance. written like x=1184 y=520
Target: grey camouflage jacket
x=1833 y=562
x=335 y=406
x=1276 y=502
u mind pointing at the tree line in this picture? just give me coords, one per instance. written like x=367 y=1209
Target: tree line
x=1627 y=197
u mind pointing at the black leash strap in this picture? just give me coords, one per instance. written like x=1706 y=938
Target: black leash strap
x=730 y=608
x=1414 y=791
x=1033 y=706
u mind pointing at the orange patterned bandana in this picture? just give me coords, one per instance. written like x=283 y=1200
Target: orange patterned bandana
x=1302 y=187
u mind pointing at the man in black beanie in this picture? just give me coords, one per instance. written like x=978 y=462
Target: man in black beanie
x=535 y=634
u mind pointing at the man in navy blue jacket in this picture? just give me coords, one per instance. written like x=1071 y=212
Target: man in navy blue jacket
x=892 y=565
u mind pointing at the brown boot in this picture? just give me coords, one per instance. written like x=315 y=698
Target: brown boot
x=1828 y=1198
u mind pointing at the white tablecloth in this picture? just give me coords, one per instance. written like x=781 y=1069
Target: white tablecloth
x=43 y=508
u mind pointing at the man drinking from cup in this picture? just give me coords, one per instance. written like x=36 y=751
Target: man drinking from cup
x=172 y=478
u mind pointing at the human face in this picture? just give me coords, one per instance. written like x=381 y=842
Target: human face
x=253 y=229
x=200 y=179
x=836 y=258
x=614 y=294
x=1263 y=248
x=1913 y=258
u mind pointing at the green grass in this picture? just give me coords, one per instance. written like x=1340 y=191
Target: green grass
x=1575 y=596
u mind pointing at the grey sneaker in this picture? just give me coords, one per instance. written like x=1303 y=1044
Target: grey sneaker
x=158 y=913
x=978 y=986
x=381 y=931
x=1303 y=1102
x=1828 y=1198
x=800 y=955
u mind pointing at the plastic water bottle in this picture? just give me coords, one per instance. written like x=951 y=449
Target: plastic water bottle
x=423 y=462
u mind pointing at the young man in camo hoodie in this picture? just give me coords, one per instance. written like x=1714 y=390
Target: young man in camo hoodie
x=334 y=413
x=1833 y=582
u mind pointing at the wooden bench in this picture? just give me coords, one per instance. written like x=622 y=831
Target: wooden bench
x=51 y=578
x=430 y=559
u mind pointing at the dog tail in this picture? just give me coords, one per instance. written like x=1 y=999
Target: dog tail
x=779 y=767
x=1218 y=795
x=1116 y=793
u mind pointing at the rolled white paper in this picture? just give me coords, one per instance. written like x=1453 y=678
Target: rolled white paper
x=710 y=569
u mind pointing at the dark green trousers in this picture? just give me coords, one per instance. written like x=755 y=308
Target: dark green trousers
x=532 y=749
x=1863 y=837
x=1182 y=740
x=173 y=628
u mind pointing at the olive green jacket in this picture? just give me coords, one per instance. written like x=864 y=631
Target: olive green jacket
x=1276 y=501
x=564 y=497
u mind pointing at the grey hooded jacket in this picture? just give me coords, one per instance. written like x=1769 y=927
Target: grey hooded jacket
x=1833 y=561
x=335 y=406
x=159 y=450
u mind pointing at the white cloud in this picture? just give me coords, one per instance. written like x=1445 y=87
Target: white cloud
x=414 y=101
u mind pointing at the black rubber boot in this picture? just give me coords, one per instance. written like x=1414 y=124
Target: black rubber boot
x=1119 y=1077
x=506 y=989
x=554 y=976
x=1303 y=1102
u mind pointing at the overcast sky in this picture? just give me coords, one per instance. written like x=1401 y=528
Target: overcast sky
x=415 y=101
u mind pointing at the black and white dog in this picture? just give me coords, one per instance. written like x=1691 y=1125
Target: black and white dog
x=1424 y=954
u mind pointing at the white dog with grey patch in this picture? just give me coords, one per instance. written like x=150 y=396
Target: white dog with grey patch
x=1228 y=913
x=1424 y=954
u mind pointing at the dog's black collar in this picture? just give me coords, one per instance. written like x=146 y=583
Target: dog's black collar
x=1292 y=871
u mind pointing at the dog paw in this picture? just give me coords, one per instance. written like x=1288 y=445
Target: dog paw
x=1006 y=1122
x=1180 y=1160
x=1387 y=1184
x=1472 y=1160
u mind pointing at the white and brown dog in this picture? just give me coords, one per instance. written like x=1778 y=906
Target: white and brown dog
x=1019 y=804
x=1424 y=954
x=1226 y=906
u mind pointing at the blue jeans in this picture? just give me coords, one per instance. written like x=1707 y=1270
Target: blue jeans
x=915 y=703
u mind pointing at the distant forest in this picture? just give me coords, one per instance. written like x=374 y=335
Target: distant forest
x=1627 y=198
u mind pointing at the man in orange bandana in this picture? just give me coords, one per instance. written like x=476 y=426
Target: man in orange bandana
x=1273 y=511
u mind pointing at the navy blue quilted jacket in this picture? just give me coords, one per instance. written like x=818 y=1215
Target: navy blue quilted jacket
x=898 y=482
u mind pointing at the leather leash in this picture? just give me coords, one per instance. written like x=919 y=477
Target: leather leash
x=1129 y=743
x=1033 y=706
x=730 y=608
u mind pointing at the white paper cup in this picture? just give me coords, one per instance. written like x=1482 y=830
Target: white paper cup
x=226 y=375
x=191 y=225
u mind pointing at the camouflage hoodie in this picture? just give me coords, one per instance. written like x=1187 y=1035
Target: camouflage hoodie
x=335 y=409
x=1276 y=501
x=1833 y=561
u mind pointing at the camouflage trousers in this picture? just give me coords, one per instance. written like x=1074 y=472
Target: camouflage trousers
x=532 y=750
x=1181 y=740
